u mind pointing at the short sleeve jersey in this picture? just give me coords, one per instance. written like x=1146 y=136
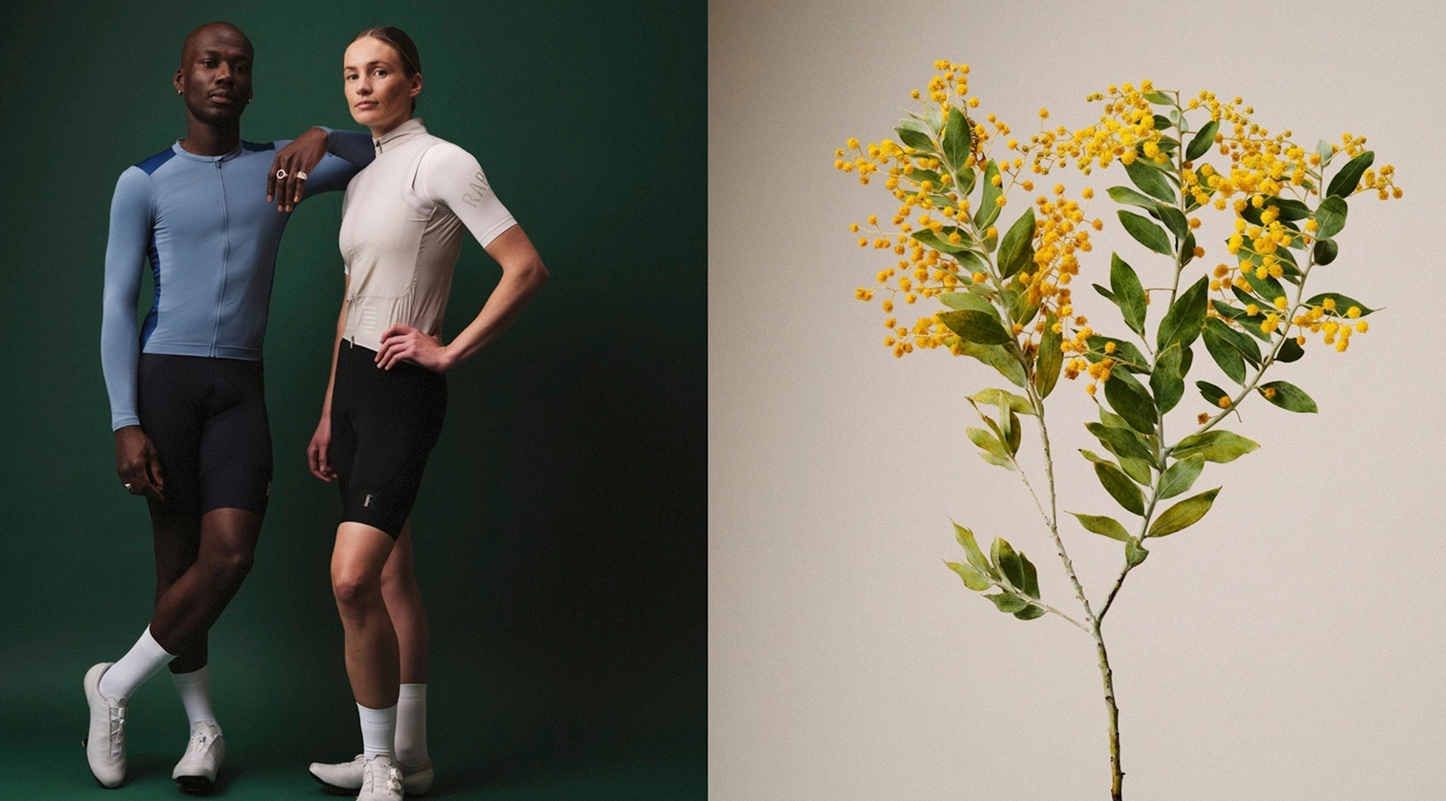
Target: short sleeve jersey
x=401 y=231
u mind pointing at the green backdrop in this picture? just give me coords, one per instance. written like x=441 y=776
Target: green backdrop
x=560 y=534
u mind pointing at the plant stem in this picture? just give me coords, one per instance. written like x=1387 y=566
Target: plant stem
x=1117 y=775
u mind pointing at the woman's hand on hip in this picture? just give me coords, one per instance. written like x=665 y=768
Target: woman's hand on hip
x=318 y=456
x=403 y=342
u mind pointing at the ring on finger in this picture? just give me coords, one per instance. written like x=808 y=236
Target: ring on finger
x=281 y=175
x=301 y=175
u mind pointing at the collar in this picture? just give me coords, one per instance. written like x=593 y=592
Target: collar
x=408 y=130
x=233 y=153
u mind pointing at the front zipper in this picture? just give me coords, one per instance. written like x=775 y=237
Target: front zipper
x=225 y=257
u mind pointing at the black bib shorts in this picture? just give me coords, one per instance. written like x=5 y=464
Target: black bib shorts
x=206 y=418
x=384 y=424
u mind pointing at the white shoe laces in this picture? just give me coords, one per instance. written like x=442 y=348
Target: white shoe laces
x=394 y=777
x=199 y=738
x=117 y=730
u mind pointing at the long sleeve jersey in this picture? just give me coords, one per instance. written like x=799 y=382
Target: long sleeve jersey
x=205 y=226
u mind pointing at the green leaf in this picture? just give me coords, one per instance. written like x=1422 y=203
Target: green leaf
x=1184 y=514
x=1230 y=360
x=966 y=540
x=971 y=262
x=976 y=326
x=1135 y=553
x=1325 y=251
x=1107 y=526
x=1267 y=288
x=1349 y=177
x=1150 y=181
x=1016 y=250
x=932 y=240
x=987 y=442
x=1031 y=577
x=1129 y=293
x=1147 y=233
x=1030 y=612
x=988 y=205
x=969 y=300
x=1125 y=354
x=1290 y=210
x=957 y=138
x=1120 y=487
x=1050 y=360
x=1024 y=310
x=1129 y=197
x=934 y=117
x=1181 y=475
x=999 y=397
x=1214 y=446
x=1202 y=141
x=1008 y=563
x=1121 y=441
x=918 y=175
x=1211 y=393
x=972 y=578
x=1325 y=151
x=1165 y=381
x=998 y=357
x=1288 y=396
x=1236 y=339
x=1009 y=603
x=1012 y=433
x=1290 y=350
x=915 y=135
x=1330 y=215
x=1131 y=403
x=1176 y=222
x=1159 y=98
x=1343 y=303
x=1183 y=321
x=1137 y=469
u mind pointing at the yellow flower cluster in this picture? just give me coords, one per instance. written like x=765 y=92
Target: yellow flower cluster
x=1335 y=324
x=1060 y=233
x=1128 y=121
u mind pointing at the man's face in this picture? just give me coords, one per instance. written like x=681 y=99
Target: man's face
x=215 y=74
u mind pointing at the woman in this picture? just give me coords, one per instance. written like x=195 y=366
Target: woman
x=401 y=231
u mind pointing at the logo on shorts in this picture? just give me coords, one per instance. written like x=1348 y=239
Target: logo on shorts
x=368 y=501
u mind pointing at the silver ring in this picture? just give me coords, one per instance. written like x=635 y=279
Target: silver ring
x=300 y=175
x=128 y=488
x=280 y=175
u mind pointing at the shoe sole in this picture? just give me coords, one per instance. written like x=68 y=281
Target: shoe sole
x=196 y=785
x=331 y=788
x=335 y=789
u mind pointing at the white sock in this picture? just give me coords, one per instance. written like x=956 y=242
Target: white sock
x=379 y=729
x=412 y=724
x=140 y=663
x=195 y=690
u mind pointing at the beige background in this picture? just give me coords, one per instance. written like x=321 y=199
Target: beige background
x=1287 y=647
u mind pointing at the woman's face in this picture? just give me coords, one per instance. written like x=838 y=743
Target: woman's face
x=377 y=89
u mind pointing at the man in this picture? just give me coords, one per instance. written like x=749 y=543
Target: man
x=187 y=404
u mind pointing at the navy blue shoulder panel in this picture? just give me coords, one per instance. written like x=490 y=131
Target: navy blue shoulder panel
x=257 y=146
x=150 y=165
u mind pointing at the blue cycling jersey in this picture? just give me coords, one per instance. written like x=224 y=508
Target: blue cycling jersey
x=211 y=238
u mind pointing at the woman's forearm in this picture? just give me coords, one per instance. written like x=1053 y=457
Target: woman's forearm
x=520 y=281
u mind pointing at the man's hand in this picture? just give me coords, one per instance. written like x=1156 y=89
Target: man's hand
x=405 y=342
x=317 y=453
x=286 y=181
x=137 y=463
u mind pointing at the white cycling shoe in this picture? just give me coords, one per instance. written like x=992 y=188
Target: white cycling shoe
x=196 y=772
x=105 y=744
x=416 y=779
